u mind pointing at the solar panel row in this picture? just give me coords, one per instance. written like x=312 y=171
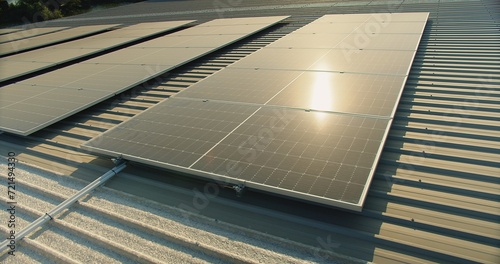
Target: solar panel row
x=16 y=46
x=4 y=31
x=28 y=62
x=13 y=35
x=301 y=117
x=95 y=80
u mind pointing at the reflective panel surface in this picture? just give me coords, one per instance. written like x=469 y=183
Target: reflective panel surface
x=391 y=62
x=316 y=90
x=43 y=58
x=241 y=85
x=27 y=107
x=47 y=39
x=284 y=59
x=180 y=131
x=8 y=30
x=347 y=93
x=304 y=117
x=28 y=33
x=307 y=152
x=304 y=41
x=113 y=73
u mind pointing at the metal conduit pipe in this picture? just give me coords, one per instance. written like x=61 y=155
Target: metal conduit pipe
x=120 y=165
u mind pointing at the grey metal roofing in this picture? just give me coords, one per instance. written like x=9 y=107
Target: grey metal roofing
x=435 y=195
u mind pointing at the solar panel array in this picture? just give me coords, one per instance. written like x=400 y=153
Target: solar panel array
x=16 y=46
x=31 y=61
x=304 y=117
x=35 y=103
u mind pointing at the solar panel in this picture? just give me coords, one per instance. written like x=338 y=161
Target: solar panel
x=240 y=21
x=312 y=155
x=339 y=41
x=28 y=33
x=52 y=38
x=157 y=56
x=338 y=60
x=284 y=59
x=408 y=17
x=102 y=77
x=368 y=61
x=369 y=94
x=316 y=155
x=209 y=123
x=17 y=68
x=378 y=17
x=190 y=41
x=220 y=30
x=382 y=41
x=108 y=77
x=298 y=118
x=40 y=103
x=4 y=31
x=31 y=61
x=304 y=41
x=241 y=85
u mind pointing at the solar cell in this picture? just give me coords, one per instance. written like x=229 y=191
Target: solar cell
x=303 y=117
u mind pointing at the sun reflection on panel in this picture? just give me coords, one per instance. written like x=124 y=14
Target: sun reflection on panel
x=321 y=92
x=321 y=96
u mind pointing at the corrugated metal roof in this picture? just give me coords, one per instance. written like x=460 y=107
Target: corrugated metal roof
x=435 y=196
